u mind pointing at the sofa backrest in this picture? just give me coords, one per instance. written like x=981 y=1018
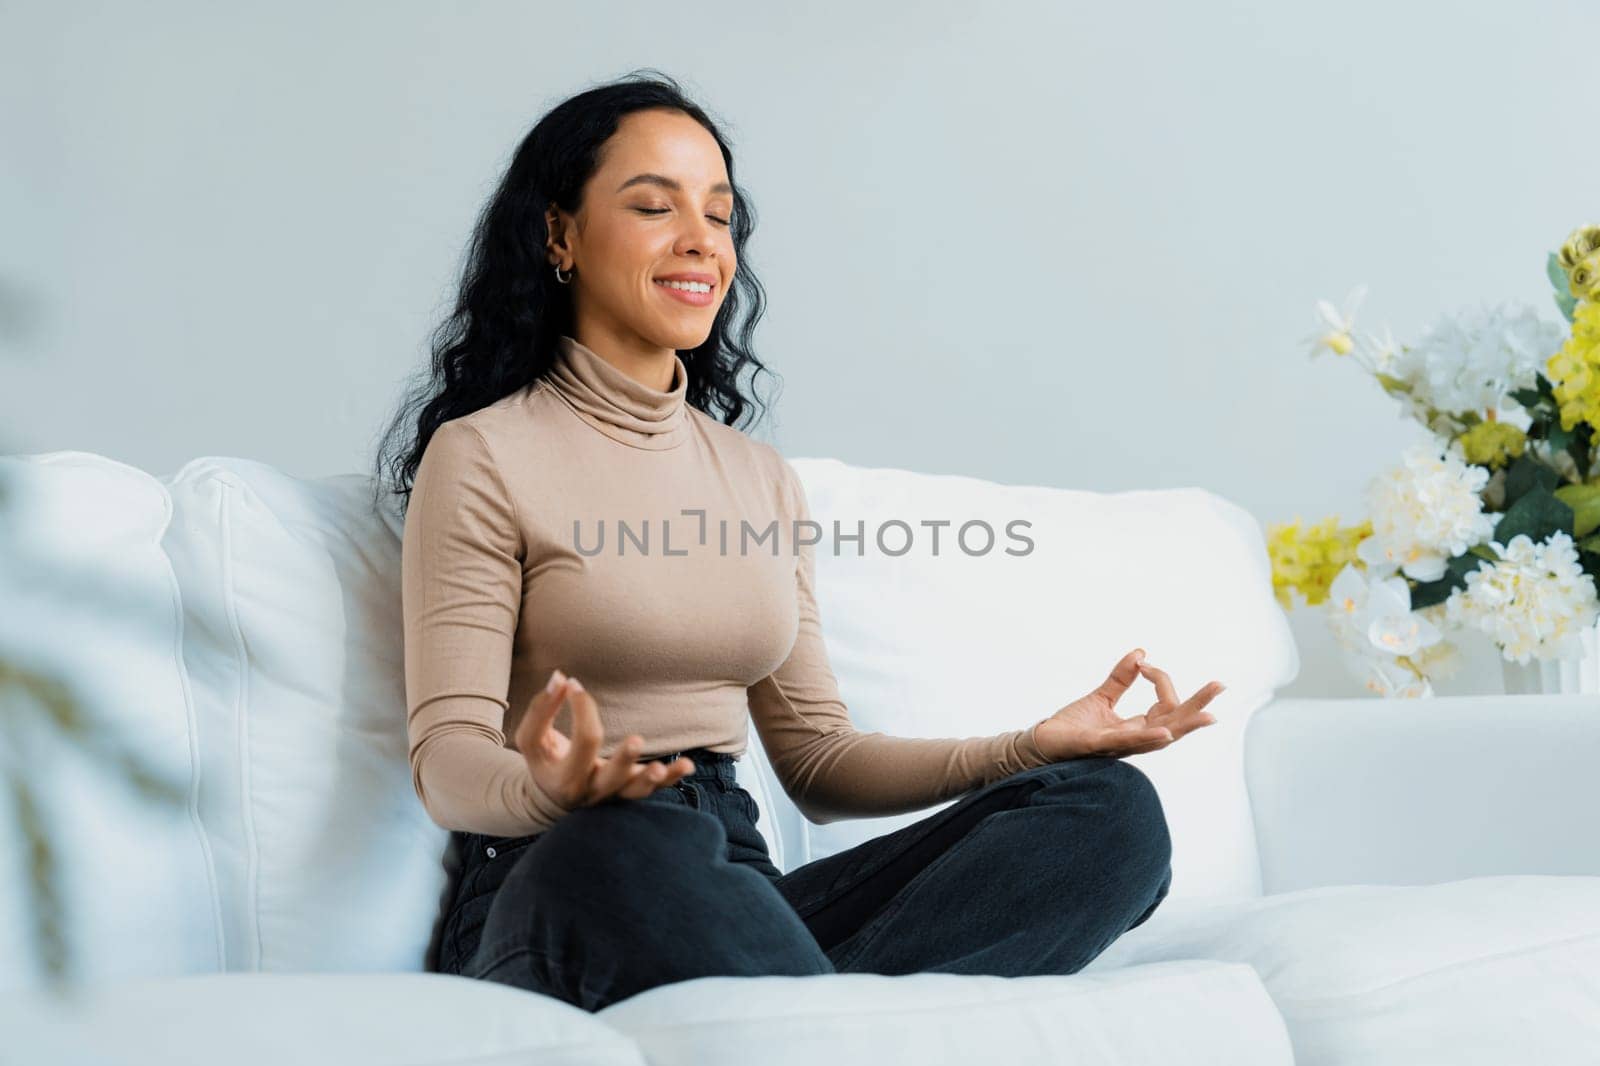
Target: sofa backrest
x=293 y=649
x=296 y=654
x=1005 y=624
x=106 y=869
x=234 y=632
x=272 y=607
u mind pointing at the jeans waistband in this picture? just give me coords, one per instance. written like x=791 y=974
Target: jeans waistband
x=708 y=764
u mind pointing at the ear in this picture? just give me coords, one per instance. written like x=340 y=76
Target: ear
x=555 y=244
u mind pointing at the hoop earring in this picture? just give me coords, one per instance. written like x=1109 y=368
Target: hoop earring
x=563 y=280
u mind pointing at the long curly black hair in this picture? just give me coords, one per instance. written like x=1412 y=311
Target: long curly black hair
x=510 y=310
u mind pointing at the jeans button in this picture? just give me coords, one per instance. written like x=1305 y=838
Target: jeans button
x=489 y=852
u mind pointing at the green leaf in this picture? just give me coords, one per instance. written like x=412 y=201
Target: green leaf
x=1557 y=275
x=1391 y=384
x=1590 y=543
x=1585 y=503
x=1559 y=438
x=1526 y=474
x=1537 y=514
x=1568 y=306
x=1589 y=561
x=1579 y=446
x=1526 y=397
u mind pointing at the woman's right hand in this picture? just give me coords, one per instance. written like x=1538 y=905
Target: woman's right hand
x=570 y=770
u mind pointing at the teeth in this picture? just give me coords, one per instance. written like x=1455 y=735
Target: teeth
x=686 y=286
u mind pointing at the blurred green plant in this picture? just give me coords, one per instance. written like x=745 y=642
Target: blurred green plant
x=33 y=704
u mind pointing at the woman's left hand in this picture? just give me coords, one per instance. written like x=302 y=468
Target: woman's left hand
x=1091 y=725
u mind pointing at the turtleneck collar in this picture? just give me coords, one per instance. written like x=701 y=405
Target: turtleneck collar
x=614 y=403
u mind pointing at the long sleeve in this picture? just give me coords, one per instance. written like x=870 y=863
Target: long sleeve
x=461 y=593
x=831 y=769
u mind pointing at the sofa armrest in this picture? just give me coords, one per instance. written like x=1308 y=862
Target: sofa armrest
x=1376 y=791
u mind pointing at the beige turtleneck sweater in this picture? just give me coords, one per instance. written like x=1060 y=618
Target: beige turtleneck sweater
x=681 y=628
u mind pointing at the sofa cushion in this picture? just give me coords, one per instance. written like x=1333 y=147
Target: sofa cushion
x=932 y=644
x=266 y=1019
x=1485 y=970
x=294 y=649
x=1192 y=1011
x=91 y=604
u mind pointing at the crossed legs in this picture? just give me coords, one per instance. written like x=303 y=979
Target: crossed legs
x=1036 y=873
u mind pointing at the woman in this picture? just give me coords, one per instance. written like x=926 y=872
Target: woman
x=575 y=704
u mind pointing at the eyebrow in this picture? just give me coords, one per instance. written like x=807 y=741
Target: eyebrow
x=668 y=183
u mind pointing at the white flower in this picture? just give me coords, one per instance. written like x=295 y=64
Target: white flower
x=1336 y=328
x=1535 y=602
x=1470 y=361
x=1390 y=679
x=1376 y=614
x=1348 y=598
x=1400 y=630
x=1425 y=512
x=1378 y=354
x=1375 y=625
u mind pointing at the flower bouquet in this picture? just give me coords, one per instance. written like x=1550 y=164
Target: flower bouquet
x=1495 y=524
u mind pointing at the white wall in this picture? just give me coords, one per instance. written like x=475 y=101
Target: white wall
x=1059 y=243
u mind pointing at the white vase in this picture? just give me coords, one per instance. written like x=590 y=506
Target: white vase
x=1575 y=674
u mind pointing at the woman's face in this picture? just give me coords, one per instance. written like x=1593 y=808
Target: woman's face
x=658 y=206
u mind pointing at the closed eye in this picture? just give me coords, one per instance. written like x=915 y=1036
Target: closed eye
x=663 y=210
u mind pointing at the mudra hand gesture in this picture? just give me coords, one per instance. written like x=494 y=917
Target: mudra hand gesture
x=1091 y=725
x=570 y=769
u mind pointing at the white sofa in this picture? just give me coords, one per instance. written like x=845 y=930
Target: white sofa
x=1355 y=881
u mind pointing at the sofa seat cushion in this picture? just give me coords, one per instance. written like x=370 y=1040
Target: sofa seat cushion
x=1193 y=1011
x=1482 y=970
x=268 y=1019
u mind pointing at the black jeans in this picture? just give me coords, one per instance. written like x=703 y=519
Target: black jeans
x=1036 y=873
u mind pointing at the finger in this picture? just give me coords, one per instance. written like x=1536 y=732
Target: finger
x=1122 y=675
x=1192 y=715
x=540 y=713
x=654 y=775
x=675 y=771
x=1121 y=741
x=1164 y=690
x=1140 y=749
x=1203 y=697
x=645 y=779
x=616 y=771
x=587 y=735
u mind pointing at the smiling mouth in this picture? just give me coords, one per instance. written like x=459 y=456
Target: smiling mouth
x=694 y=297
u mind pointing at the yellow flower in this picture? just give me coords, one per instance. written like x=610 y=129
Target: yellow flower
x=1309 y=561
x=1584 y=278
x=1578 y=246
x=1493 y=443
x=1574 y=371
